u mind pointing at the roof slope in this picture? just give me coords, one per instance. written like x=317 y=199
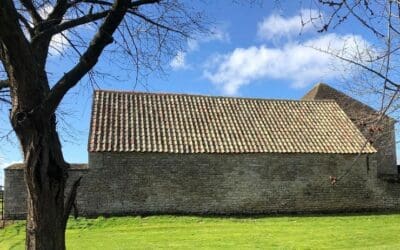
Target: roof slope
x=355 y=109
x=176 y=123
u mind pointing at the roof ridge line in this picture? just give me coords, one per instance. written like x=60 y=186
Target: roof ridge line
x=206 y=96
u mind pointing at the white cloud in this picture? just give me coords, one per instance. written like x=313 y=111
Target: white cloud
x=179 y=61
x=276 y=26
x=192 y=44
x=59 y=44
x=216 y=34
x=298 y=63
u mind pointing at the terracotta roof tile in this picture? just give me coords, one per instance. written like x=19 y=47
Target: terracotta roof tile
x=177 y=123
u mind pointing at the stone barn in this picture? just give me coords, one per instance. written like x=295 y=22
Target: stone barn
x=189 y=154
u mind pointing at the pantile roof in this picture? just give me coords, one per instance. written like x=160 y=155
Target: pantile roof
x=355 y=109
x=178 y=123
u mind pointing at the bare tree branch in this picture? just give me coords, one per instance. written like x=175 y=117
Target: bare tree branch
x=59 y=10
x=90 y=17
x=5 y=100
x=26 y=24
x=70 y=201
x=387 y=66
x=71 y=24
x=370 y=69
x=73 y=46
x=134 y=4
x=86 y=62
x=159 y=24
x=100 y=2
x=28 y=4
x=361 y=20
x=338 y=5
x=4 y=84
x=16 y=50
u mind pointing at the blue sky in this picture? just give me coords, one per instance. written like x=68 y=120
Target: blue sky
x=253 y=51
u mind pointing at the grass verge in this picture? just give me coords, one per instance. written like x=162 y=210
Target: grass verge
x=186 y=232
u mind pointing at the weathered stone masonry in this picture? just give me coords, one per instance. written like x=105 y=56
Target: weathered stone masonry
x=15 y=193
x=235 y=183
x=186 y=154
x=145 y=183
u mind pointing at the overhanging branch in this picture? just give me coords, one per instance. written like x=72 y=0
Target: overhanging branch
x=71 y=24
x=26 y=24
x=15 y=51
x=90 y=17
x=5 y=100
x=134 y=4
x=160 y=25
x=4 y=84
x=377 y=73
x=87 y=61
x=59 y=10
x=361 y=20
x=28 y=4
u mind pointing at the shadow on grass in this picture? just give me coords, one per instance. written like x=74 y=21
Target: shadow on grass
x=256 y=216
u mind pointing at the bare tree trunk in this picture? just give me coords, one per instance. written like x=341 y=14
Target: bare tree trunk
x=44 y=230
x=45 y=220
x=45 y=177
x=45 y=170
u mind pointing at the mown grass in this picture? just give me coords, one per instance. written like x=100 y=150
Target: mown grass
x=185 y=232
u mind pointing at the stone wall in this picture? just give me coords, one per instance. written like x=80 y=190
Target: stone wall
x=15 y=190
x=381 y=135
x=153 y=183
x=380 y=131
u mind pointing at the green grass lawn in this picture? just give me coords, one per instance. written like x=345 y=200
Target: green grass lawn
x=184 y=232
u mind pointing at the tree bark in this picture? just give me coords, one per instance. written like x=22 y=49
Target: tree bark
x=45 y=170
x=45 y=176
